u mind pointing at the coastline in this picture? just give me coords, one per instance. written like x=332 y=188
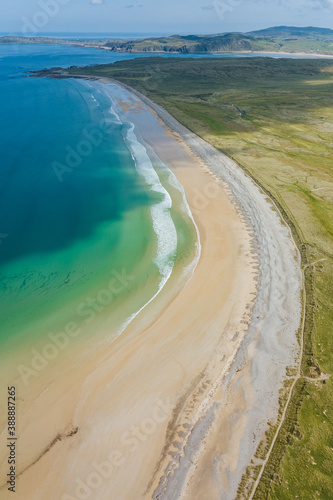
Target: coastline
x=240 y=361
x=83 y=44
x=330 y=56
x=226 y=169
x=311 y=54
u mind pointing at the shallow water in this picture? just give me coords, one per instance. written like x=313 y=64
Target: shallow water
x=88 y=235
x=80 y=200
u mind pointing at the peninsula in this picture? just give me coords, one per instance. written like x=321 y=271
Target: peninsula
x=289 y=40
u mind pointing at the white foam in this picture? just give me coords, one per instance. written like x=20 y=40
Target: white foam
x=162 y=221
x=99 y=88
x=173 y=181
x=163 y=224
x=115 y=114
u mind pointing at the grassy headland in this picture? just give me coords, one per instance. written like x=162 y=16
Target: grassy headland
x=277 y=39
x=275 y=118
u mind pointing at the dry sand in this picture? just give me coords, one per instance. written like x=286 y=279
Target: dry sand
x=177 y=405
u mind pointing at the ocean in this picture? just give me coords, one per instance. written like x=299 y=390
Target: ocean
x=91 y=224
x=90 y=230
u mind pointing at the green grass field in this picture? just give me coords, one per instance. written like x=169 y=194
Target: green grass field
x=275 y=118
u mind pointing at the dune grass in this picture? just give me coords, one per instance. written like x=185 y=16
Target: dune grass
x=275 y=118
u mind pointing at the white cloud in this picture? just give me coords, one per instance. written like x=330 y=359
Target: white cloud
x=96 y=2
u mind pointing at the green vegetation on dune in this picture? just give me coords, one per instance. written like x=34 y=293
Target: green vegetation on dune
x=274 y=117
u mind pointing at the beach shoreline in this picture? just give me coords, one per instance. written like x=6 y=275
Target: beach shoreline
x=210 y=374
x=213 y=159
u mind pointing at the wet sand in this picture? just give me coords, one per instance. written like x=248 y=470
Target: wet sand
x=177 y=405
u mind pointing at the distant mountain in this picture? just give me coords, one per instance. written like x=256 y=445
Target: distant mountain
x=283 y=39
x=292 y=31
x=279 y=39
x=232 y=42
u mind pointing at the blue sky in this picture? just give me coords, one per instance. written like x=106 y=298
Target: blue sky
x=161 y=16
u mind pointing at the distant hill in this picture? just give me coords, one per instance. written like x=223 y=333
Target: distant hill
x=291 y=31
x=282 y=39
x=279 y=39
x=232 y=42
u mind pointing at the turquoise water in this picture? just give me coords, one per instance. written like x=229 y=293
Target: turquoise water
x=80 y=204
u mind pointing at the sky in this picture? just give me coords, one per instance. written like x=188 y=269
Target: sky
x=160 y=16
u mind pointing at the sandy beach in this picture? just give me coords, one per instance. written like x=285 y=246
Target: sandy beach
x=176 y=406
